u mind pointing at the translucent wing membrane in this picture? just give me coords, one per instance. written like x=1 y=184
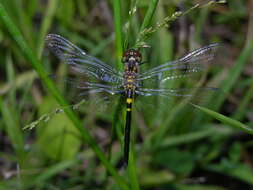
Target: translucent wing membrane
x=168 y=96
x=80 y=62
x=190 y=64
x=79 y=89
x=101 y=82
x=109 y=82
x=93 y=87
x=182 y=92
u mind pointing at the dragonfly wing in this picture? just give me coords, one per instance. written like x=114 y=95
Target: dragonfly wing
x=87 y=87
x=191 y=64
x=195 y=95
x=94 y=94
x=81 y=62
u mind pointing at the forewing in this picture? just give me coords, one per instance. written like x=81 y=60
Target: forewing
x=80 y=62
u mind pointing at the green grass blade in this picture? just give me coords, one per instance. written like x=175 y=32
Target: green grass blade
x=48 y=17
x=238 y=171
x=116 y=126
x=149 y=15
x=233 y=75
x=200 y=21
x=226 y=120
x=147 y=19
x=11 y=78
x=194 y=136
x=52 y=171
x=132 y=170
x=37 y=65
x=25 y=23
x=240 y=112
x=12 y=129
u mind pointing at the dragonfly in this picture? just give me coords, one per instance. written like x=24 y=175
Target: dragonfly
x=131 y=82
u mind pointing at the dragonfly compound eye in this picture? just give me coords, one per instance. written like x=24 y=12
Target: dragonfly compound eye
x=131 y=54
x=126 y=56
x=137 y=55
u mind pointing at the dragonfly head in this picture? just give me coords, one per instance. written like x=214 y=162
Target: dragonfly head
x=131 y=55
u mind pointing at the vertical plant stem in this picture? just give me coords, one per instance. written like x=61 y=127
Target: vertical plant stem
x=119 y=49
x=118 y=31
x=132 y=170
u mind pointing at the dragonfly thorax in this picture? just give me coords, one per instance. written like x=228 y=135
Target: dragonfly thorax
x=131 y=59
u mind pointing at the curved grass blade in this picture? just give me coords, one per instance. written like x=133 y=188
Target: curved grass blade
x=149 y=14
x=226 y=120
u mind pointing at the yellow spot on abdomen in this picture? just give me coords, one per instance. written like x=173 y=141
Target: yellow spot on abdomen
x=129 y=100
x=128 y=109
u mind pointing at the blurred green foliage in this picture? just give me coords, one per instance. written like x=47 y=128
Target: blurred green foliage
x=174 y=146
